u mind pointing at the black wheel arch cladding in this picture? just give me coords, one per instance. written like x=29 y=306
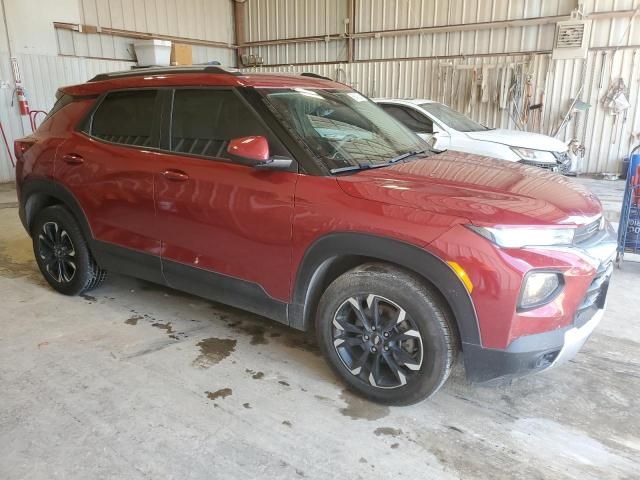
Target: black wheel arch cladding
x=37 y=194
x=325 y=253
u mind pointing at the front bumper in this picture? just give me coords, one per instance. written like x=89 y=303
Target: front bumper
x=527 y=355
x=541 y=351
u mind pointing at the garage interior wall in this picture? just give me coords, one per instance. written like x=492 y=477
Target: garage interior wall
x=58 y=43
x=429 y=49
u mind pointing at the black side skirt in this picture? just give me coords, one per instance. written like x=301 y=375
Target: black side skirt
x=203 y=283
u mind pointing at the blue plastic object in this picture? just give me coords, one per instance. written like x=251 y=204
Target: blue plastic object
x=629 y=229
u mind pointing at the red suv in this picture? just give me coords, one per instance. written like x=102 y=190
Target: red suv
x=299 y=199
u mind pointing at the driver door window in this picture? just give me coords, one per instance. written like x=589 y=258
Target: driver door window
x=205 y=120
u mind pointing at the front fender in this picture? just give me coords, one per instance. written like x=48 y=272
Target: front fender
x=330 y=248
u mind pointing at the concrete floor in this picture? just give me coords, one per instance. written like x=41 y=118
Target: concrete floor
x=137 y=381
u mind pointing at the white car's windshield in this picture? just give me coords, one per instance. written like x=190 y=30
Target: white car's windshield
x=342 y=128
x=451 y=118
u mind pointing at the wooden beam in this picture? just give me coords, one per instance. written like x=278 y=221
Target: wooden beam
x=87 y=29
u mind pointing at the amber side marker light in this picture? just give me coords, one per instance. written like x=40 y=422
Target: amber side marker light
x=462 y=275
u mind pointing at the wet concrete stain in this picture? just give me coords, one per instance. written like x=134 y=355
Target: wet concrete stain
x=360 y=409
x=247 y=405
x=89 y=298
x=222 y=393
x=286 y=423
x=392 y=432
x=256 y=332
x=164 y=326
x=255 y=375
x=151 y=320
x=133 y=320
x=213 y=350
x=261 y=329
x=16 y=260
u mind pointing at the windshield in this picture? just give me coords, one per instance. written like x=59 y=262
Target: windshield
x=451 y=118
x=342 y=128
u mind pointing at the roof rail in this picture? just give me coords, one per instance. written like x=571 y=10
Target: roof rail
x=140 y=72
x=315 y=75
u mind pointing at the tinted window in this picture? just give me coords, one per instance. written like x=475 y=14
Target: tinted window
x=341 y=127
x=204 y=120
x=452 y=119
x=125 y=117
x=416 y=122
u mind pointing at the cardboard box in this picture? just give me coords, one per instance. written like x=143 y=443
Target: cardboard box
x=181 y=54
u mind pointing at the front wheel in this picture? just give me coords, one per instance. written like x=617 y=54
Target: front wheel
x=387 y=334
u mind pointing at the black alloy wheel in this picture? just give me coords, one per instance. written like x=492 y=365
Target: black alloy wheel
x=387 y=333
x=57 y=252
x=62 y=252
x=376 y=341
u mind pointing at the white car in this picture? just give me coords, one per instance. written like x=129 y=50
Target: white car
x=446 y=129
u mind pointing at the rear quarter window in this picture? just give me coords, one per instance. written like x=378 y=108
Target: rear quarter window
x=125 y=118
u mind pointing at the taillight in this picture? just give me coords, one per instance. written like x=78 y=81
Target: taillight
x=21 y=146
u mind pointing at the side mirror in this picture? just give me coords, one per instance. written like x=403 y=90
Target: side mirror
x=436 y=129
x=255 y=150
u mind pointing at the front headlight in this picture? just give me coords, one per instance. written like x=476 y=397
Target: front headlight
x=532 y=155
x=539 y=288
x=518 y=237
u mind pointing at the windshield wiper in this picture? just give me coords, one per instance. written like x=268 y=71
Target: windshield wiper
x=405 y=155
x=350 y=168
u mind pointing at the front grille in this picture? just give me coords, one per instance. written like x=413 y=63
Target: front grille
x=547 y=166
x=564 y=161
x=585 y=232
x=596 y=295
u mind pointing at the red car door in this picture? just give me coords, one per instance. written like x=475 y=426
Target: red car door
x=109 y=168
x=226 y=227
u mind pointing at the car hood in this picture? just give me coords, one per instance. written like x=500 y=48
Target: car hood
x=514 y=138
x=481 y=190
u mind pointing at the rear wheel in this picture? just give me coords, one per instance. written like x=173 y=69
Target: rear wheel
x=387 y=334
x=62 y=253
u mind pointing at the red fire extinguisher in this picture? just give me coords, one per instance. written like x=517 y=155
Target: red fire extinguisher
x=23 y=104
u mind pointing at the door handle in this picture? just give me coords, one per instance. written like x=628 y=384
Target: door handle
x=73 y=159
x=175 y=175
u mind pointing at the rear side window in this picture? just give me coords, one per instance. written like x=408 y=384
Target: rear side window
x=204 y=120
x=415 y=121
x=126 y=118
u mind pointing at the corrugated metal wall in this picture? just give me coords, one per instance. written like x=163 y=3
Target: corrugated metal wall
x=386 y=64
x=194 y=19
x=42 y=75
x=209 y=20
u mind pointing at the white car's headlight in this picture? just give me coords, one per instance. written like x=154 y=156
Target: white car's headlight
x=532 y=155
x=518 y=237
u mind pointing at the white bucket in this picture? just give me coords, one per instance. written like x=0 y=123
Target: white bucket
x=151 y=53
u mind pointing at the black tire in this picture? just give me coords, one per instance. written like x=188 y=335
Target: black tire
x=62 y=253
x=410 y=368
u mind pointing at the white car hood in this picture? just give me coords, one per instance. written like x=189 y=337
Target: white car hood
x=514 y=138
